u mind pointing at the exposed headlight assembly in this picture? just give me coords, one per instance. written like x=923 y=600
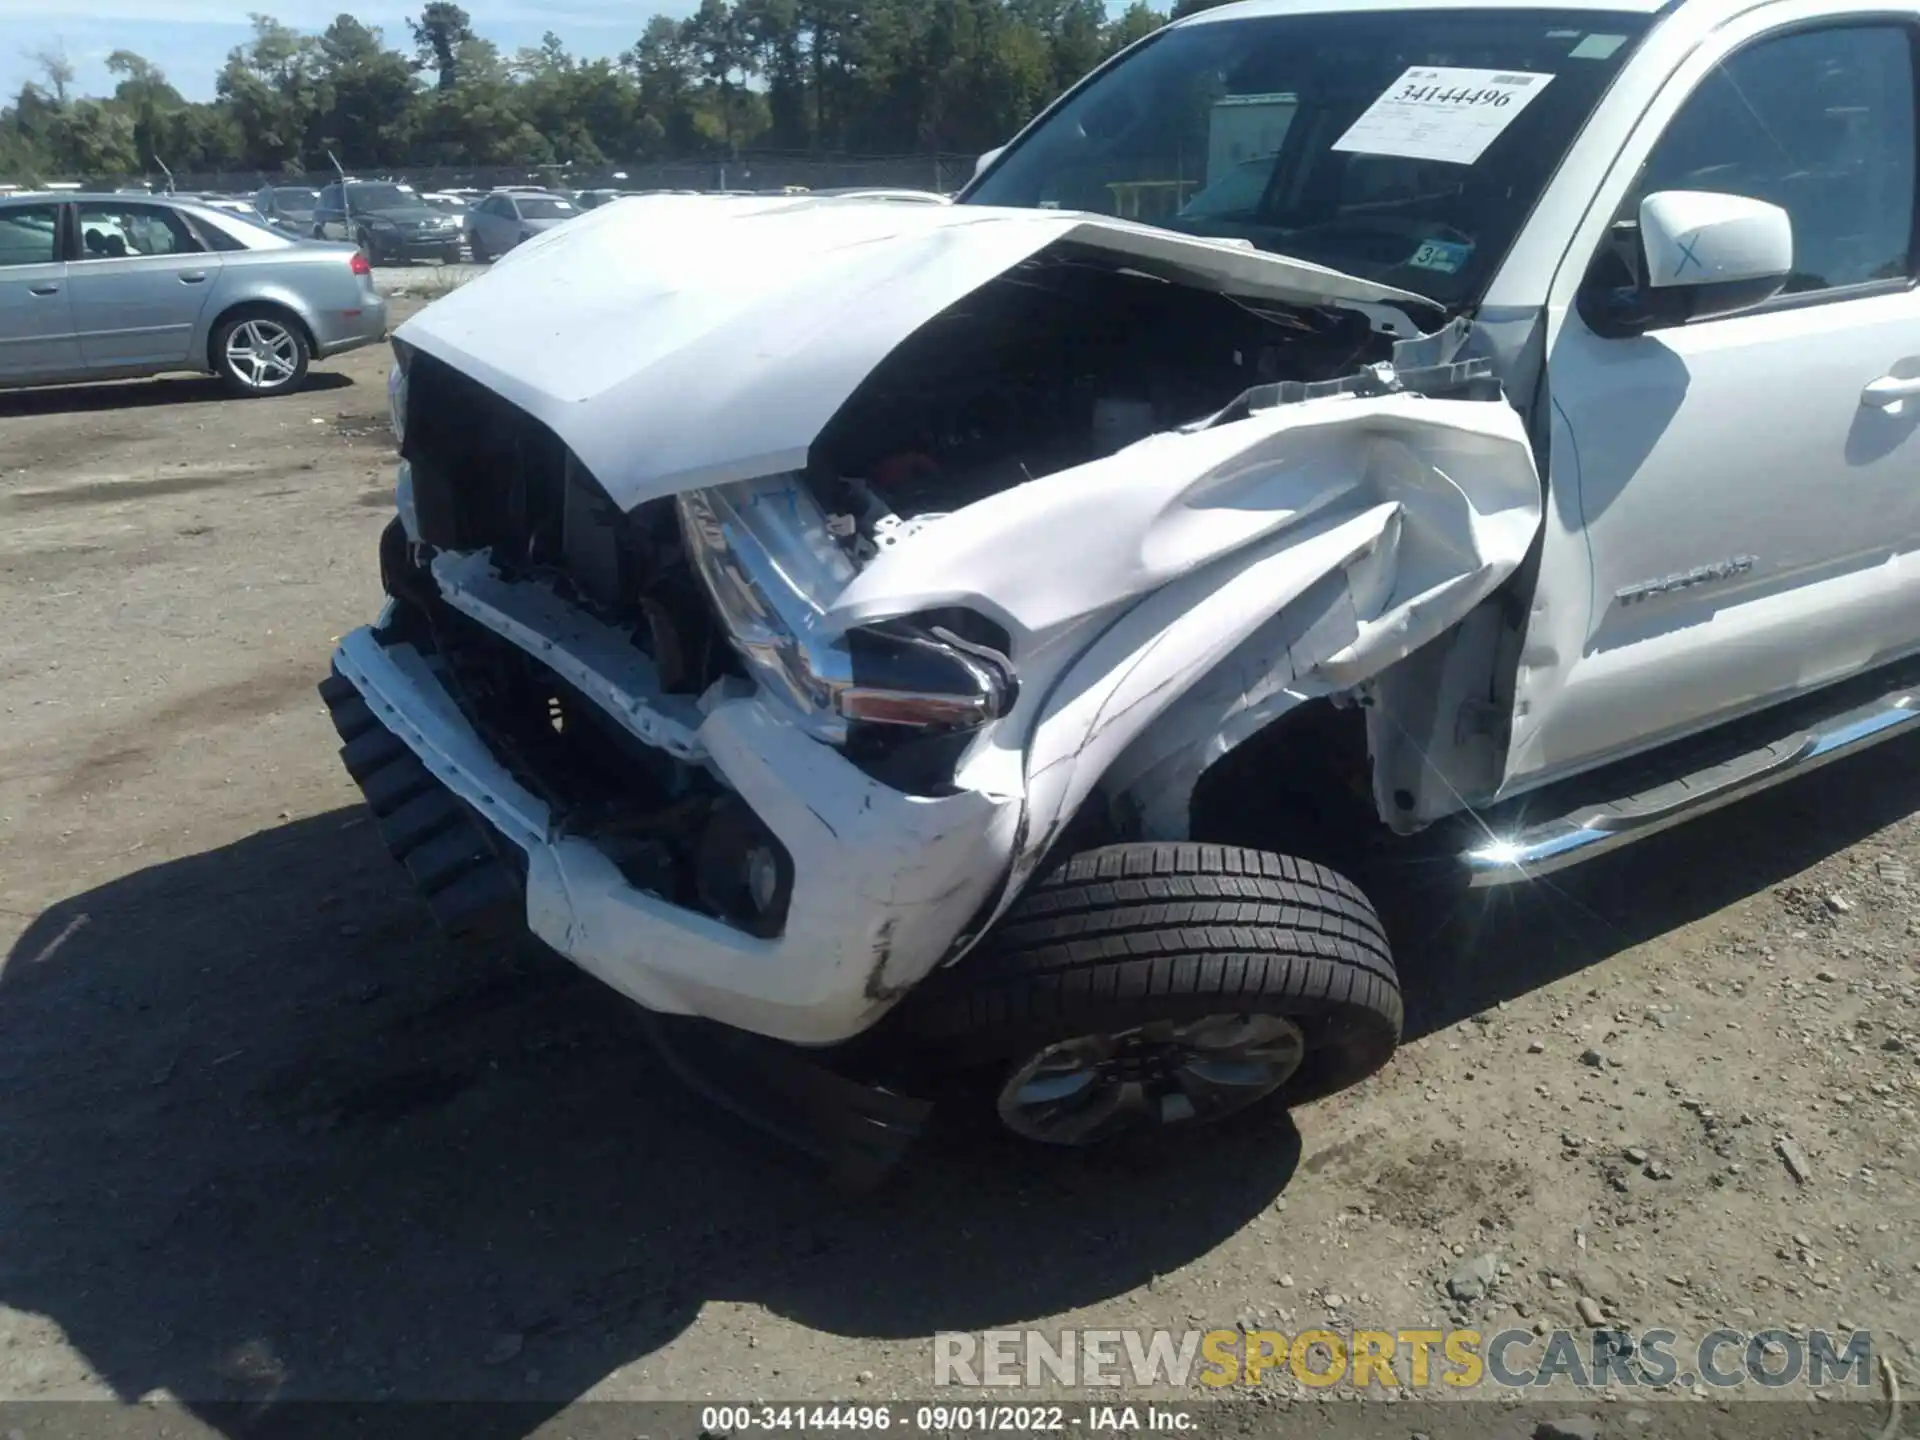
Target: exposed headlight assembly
x=763 y=551
x=397 y=396
x=927 y=678
x=404 y=505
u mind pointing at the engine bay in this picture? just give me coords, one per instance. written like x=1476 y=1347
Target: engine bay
x=1062 y=360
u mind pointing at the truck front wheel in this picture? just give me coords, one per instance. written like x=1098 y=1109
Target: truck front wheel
x=1146 y=986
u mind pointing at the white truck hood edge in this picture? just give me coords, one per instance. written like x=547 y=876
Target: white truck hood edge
x=674 y=342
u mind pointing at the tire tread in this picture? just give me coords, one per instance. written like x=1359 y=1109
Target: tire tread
x=1118 y=928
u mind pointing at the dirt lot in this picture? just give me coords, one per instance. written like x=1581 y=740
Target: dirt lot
x=264 y=1135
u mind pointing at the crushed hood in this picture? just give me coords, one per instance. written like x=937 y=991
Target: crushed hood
x=683 y=341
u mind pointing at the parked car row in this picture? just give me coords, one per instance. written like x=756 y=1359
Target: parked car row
x=395 y=223
x=392 y=222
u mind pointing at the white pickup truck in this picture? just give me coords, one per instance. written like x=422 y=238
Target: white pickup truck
x=983 y=635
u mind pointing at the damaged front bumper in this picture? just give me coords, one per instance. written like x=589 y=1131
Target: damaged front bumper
x=883 y=883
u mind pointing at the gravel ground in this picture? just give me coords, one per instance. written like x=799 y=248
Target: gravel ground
x=264 y=1135
x=423 y=282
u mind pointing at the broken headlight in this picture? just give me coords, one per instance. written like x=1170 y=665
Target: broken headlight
x=927 y=678
x=762 y=549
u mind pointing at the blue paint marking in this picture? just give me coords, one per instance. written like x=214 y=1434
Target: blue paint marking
x=1687 y=257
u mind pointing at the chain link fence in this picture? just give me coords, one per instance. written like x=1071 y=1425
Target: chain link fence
x=944 y=173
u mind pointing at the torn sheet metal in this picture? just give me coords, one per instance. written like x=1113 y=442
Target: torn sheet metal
x=675 y=342
x=1369 y=525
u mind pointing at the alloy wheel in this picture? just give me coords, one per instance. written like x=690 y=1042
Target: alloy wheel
x=262 y=354
x=1096 y=1087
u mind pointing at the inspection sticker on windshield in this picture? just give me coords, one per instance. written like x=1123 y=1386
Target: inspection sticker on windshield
x=1441 y=255
x=1442 y=113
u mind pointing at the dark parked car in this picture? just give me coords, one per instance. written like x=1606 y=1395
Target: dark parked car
x=288 y=207
x=388 y=221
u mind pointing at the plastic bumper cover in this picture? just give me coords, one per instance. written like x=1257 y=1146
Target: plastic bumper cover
x=883 y=882
x=337 y=331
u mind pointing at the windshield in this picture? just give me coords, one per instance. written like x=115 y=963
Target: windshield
x=543 y=207
x=1405 y=146
x=381 y=197
x=295 y=202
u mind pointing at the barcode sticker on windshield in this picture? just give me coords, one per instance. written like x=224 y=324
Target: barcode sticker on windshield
x=1441 y=113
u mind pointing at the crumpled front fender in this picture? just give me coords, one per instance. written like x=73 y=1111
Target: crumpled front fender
x=1378 y=524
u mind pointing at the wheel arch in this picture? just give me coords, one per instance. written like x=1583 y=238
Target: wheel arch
x=1303 y=784
x=254 y=304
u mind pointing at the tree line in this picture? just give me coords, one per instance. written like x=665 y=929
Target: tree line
x=820 y=77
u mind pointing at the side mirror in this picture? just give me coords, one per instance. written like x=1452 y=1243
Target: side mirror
x=1698 y=254
x=1734 y=250
x=987 y=159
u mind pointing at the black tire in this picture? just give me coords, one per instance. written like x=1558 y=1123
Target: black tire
x=1142 y=934
x=296 y=350
x=480 y=255
x=364 y=239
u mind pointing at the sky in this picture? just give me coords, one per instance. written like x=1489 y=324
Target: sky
x=189 y=39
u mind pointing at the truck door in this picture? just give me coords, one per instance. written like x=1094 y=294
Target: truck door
x=1737 y=500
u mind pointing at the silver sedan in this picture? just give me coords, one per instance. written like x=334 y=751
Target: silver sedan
x=98 y=287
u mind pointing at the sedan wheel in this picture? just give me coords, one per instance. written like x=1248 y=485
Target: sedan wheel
x=260 y=355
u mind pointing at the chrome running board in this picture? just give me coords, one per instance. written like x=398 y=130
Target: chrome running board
x=1585 y=831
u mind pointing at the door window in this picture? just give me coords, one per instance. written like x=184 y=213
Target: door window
x=114 y=232
x=1819 y=122
x=29 y=235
